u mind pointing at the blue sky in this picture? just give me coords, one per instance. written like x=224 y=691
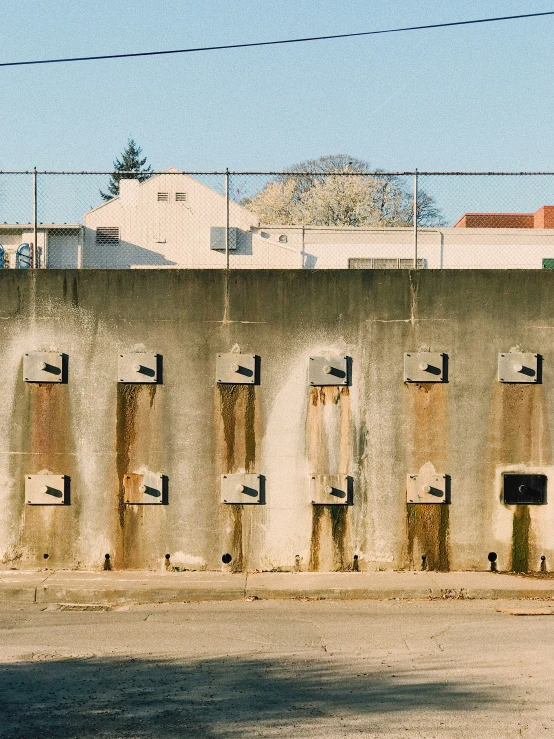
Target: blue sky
x=478 y=97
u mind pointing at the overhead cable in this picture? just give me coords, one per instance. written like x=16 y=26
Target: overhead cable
x=273 y=43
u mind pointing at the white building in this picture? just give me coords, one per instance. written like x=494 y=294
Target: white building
x=58 y=244
x=173 y=220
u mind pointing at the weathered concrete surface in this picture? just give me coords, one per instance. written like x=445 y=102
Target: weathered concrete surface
x=341 y=669
x=99 y=588
x=134 y=587
x=381 y=429
x=387 y=585
x=21 y=585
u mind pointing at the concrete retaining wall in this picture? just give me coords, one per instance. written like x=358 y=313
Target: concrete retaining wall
x=377 y=430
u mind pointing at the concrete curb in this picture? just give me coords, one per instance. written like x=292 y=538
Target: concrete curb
x=105 y=588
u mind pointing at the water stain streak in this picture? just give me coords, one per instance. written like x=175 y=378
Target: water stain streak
x=520 y=538
x=428 y=535
x=127 y=397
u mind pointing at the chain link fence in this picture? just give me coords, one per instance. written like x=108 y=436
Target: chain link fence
x=296 y=220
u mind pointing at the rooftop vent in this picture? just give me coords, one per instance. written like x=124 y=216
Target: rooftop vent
x=163 y=197
x=180 y=197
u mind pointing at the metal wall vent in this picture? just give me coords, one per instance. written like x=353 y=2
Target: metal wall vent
x=384 y=263
x=163 y=197
x=180 y=197
x=107 y=235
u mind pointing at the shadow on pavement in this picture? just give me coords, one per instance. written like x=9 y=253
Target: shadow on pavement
x=227 y=697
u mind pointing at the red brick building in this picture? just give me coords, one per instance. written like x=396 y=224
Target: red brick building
x=542 y=218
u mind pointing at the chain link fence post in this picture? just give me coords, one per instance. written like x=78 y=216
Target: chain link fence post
x=34 y=245
x=415 y=219
x=227 y=218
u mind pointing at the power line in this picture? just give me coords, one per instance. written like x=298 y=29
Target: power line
x=274 y=43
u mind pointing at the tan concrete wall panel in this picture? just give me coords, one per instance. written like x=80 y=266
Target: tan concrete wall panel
x=378 y=430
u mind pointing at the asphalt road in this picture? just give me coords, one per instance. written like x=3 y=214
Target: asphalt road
x=278 y=669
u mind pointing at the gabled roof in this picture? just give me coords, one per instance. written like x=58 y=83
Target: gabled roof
x=169 y=170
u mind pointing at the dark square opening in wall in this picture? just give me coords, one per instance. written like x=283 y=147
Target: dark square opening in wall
x=524 y=489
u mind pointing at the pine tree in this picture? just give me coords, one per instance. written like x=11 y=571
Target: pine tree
x=130 y=166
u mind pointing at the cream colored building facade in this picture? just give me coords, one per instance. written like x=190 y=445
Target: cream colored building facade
x=172 y=220
x=169 y=221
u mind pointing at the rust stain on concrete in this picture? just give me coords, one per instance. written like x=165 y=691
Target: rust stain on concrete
x=42 y=429
x=339 y=521
x=427 y=525
x=428 y=536
x=237 y=415
x=317 y=514
x=249 y=429
x=237 y=544
x=49 y=421
x=125 y=438
x=140 y=443
x=328 y=540
x=520 y=431
x=521 y=532
x=428 y=417
x=238 y=421
x=329 y=442
x=520 y=435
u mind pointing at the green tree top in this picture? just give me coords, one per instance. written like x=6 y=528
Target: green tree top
x=129 y=167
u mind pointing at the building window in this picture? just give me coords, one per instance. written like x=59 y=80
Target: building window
x=180 y=197
x=107 y=236
x=163 y=197
x=384 y=263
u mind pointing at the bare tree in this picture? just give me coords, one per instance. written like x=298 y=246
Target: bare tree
x=340 y=191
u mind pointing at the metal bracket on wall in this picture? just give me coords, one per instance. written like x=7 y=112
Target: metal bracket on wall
x=328 y=370
x=425 y=367
x=427 y=488
x=519 y=367
x=46 y=489
x=236 y=369
x=241 y=489
x=43 y=367
x=146 y=488
x=138 y=367
x=331 y=489
x=523 y=489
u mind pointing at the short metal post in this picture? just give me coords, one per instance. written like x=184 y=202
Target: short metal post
x=415 y=219
x=80 y=248
x=227 y=224
x=34 y=255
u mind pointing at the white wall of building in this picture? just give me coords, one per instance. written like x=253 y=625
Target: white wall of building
x=166 y=222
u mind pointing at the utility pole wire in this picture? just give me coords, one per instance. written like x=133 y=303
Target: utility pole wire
x=274 y=43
